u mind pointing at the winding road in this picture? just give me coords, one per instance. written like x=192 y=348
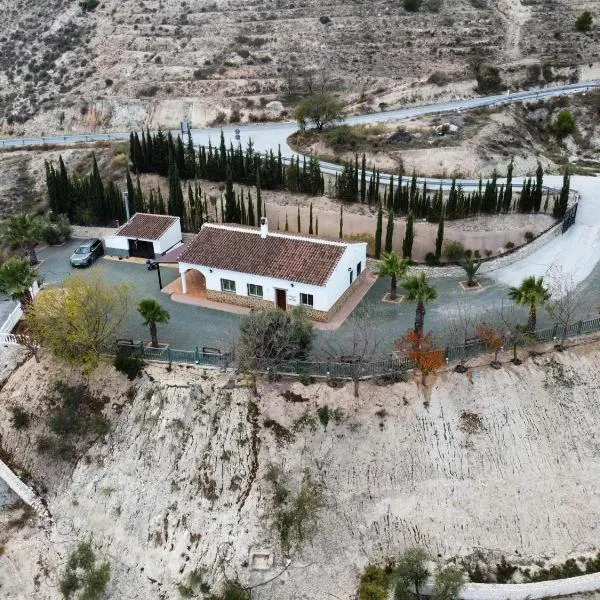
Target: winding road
x=576 y=252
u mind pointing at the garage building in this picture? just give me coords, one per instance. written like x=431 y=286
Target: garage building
x=145 y=236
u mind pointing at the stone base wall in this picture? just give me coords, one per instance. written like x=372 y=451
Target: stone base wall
x=258 y=304
x=238 y=300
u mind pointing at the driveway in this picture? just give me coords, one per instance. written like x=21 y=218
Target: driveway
x=188 y=327
x=192 y=326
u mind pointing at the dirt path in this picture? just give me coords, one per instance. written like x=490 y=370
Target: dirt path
x=516 y=16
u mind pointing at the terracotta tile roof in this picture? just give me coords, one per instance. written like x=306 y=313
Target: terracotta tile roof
x=146 y=226
x=280 y=256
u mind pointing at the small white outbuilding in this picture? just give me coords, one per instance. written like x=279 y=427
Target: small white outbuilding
x=253 y=267
x=145 y=236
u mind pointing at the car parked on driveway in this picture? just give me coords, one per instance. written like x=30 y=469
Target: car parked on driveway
x=87 y=252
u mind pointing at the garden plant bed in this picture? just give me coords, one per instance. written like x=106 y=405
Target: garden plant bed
x=470 y=288
x=387 y=298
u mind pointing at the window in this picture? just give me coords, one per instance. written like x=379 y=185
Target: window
x=358 y=269
x=306 y=300
x=255 y=290
x=228 y=285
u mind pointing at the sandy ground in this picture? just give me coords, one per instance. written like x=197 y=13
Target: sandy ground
x=179 y=483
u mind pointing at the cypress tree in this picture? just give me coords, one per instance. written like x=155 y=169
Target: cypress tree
x=176 y=207
x=539 y=182
x=563 y=201
x=258 y=197
x=363 y=179
x=390 y=198
x=230 y=202
x=507 y=200
x=222 y=210
x=341 y=222
x=287 y=225
x=355 y=186
x=299 y=226
x=251 y=214
x=317 y=225
x=139 y=202
x=310 y=219
x=439 y=240
x=161 y=204
x=378 y=232
x=389 y=232
x=409 y=237
x=130 y=190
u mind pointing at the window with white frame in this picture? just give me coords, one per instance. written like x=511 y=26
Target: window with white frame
x=255 y=290
x=306 y=300
x=228 y=285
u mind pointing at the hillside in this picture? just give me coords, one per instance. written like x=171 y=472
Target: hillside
x=124 y=65
x=183 y=479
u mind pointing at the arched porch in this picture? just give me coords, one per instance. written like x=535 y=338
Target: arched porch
x=191 y=283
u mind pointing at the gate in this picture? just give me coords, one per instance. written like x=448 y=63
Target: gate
x=569 y=217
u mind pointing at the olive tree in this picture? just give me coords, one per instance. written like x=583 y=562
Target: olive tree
x=80 y=321
x=320 y=110
x=272 y=336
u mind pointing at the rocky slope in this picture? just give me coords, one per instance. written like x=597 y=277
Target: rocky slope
x=124 y=65
x=505 y=462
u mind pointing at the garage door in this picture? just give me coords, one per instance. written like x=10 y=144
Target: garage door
x=141 y=249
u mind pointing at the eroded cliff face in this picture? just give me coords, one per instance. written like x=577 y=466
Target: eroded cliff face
x=499 y=460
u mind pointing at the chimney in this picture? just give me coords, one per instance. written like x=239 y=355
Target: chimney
x=264 y=227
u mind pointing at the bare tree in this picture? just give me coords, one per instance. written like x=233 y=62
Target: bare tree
x=459 y=329
x=568 y=303
x=518 y=333
x=363 y=345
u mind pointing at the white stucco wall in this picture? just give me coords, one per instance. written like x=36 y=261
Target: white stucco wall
x=324 y=297
x=116 y=242
x=168 y=239
x=339 y=281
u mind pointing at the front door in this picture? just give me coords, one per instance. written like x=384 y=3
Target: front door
x=281 y=299
x=141 y=249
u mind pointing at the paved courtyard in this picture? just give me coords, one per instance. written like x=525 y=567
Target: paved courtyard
x=192 y=326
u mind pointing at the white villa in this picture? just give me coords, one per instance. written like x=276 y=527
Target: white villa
x=251 y=266
x=145 y=236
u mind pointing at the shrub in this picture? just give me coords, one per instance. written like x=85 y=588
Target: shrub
x=412 y=5
x=584 y=21
x=108 y=82
x=128 y=365
x=82 y=574
x=454 y=251
x=51 y=235
x=324 y=20
x=565 y=123
x=509 y=245
x=324 y=415
x=220 y=119
x=19 y=419
x=77 y=412
x=88 y=5
x=374 y=583
x=149 y=92
x=528 y=235
x=477 y=254
x=438 y=78
x=488 y=253
x=488 y=79
x=431 y=259
x=468 y=253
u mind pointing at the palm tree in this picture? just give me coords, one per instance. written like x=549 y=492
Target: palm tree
x=24 y=231
x=533 y=293
x=418 y=290
x=16 y=278
x=153 y=313
x=391 y=265
x=470 y=267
